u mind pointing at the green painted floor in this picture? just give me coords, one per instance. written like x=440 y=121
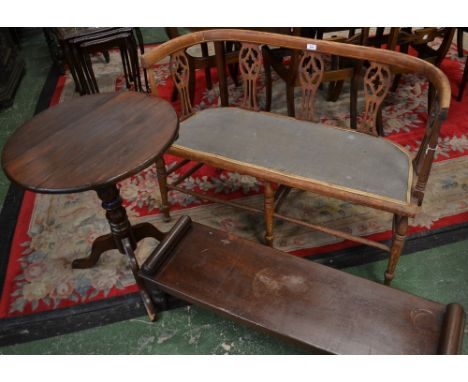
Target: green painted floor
x=438 y=274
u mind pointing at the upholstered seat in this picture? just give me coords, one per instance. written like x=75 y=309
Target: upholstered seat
x=315 y=152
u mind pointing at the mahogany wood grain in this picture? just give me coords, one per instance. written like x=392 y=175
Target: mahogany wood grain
x=323 y=309
x=92 y=142
x=89 y=142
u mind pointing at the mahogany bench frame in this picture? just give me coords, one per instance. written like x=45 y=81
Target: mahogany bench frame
x=382 y=62
x=319 y=308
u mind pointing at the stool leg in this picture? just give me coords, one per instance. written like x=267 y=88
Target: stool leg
x=290 y=83
x=162 y=180
x=334 y=90
x=71 y=66
x=191 y=82
x=79 y=69
x=290 y=99
x=233 y=69
x=204 y=49
x=379 y=123
x=141 y=45
x=333 y=85
x=269 y=210
x=132 y=49
x=91 y=73
x=88 y=72
x=400 y=228
x=145 y=296
x=124 y=57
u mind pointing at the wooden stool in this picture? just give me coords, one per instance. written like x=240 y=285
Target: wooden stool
x=317 y=307
x=62 y=51
x=70 y=40
x=128 y=51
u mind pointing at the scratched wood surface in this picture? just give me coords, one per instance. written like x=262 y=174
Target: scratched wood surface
x=309 y=304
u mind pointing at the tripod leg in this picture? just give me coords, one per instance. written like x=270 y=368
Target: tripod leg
x=100 y=245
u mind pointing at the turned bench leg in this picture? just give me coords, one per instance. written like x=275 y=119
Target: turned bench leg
x=269 y=211
x=162 y=180
x=400 y=227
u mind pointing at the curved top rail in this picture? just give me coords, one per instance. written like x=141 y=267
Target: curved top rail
x=392 y=58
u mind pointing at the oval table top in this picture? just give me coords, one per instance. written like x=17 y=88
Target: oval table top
x=89 y=142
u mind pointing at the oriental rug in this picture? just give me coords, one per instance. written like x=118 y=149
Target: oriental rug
x=51 y=231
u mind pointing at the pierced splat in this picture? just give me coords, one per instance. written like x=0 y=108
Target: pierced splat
x=311 y=69
x=180 y=74
x=249 y=65
x=377 y=82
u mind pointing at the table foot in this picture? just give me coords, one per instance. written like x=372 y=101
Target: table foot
x=100 y=245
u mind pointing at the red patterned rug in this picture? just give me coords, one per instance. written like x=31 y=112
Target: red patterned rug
x=51 y=231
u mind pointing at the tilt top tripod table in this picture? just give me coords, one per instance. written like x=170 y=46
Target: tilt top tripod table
x=91 y=143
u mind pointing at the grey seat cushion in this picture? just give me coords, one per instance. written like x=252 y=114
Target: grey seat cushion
x=323 y=154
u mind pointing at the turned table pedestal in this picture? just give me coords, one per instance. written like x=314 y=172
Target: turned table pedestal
x=91 y=143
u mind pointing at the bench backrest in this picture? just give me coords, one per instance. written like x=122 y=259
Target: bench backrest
x=377 y=78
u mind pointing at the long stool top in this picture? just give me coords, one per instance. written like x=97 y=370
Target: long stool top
x=323 y=309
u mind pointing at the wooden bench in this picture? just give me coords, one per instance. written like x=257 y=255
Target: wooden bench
x=357 y=166
x=322 y=309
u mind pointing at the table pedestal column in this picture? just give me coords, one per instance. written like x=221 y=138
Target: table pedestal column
x=123 y=237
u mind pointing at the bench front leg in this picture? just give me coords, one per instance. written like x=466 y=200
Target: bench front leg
x=400 y=228
x=162 y=181
x=269 y=211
